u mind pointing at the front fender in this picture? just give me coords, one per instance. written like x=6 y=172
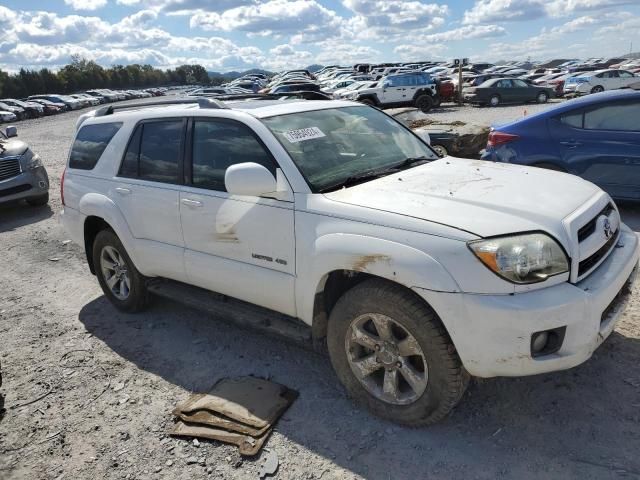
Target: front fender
x=383 y=258
x=97 y=205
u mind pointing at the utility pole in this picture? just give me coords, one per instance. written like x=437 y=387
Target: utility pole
x=460 y=63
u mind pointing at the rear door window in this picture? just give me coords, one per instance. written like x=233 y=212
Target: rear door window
x=154 y=152
x=572 y=119
x=90 y=143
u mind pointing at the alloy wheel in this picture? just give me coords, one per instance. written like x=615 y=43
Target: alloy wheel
x=386 y=359
x=115 y=272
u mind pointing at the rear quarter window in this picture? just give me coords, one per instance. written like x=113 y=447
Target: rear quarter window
x=90 y=143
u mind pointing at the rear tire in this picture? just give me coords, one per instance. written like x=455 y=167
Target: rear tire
x=38 y=201
x=114 y=268
x=424 y=103
x=413 y=383
x=542 y=97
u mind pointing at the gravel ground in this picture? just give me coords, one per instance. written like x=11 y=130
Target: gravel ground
x=100 y=385
x=486 y=116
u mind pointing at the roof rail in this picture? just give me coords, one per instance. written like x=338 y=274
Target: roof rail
x=304 y=94
x=203 y=102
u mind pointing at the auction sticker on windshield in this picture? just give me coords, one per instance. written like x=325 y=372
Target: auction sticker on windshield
x=302 y=134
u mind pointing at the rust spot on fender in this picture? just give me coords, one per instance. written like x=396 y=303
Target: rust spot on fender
x=364 y=261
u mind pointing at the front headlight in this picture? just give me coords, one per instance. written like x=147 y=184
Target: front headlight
x=526 y=258
x=32 y=160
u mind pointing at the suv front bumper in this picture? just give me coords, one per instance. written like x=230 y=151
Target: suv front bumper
x=492 y=333
x=30 y=183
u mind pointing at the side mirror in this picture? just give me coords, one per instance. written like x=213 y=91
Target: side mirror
x=386 y=84
x=11 y=131
x=249 y=179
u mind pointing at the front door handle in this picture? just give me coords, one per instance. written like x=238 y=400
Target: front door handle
x=191 y=203
x=123 y=191
x=571 y=143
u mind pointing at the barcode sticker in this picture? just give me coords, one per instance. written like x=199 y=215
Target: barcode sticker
x=302 y=134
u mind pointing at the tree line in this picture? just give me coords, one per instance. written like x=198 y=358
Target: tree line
x=82 y=74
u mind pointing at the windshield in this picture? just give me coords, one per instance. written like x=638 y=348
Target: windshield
x=330 y=146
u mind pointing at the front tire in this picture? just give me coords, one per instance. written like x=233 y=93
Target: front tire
x=597 y=89
x=120 y=280
x=368 y=101
x=494 y=101
x=393 y=355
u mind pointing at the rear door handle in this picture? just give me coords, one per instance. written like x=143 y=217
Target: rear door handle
x=571 y=143
x=123 y=191
x=191 y=203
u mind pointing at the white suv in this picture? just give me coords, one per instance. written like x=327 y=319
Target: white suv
x=417 y=271
x=598 y=81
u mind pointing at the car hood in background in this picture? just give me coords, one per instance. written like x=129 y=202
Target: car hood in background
x=11 y=147
x=480 y=197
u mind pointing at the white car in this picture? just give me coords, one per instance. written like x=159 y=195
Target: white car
x=7 y=116
x=598 y=81
x=416 y=271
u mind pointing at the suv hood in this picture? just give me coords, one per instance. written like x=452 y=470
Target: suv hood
x=479 y=197
x=12 y=148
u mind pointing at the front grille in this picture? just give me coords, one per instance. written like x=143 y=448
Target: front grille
x=586 y=231
x=588 y=263
x=9 y=168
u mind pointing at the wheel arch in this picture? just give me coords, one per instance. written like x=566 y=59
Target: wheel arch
x=369 y=96
x=425 y=91
x=101 y=212
x=341 y=261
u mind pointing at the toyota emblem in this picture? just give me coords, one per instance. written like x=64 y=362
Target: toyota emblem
x=607 y=228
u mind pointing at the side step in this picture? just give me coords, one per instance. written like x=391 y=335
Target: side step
x=229 y=309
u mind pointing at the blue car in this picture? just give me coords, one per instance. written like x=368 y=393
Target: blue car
x=596 y=137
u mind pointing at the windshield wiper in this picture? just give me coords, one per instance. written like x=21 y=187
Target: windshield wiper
x=371 y=174
x=410 y=162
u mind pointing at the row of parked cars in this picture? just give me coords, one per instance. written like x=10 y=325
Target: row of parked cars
x=12 y=109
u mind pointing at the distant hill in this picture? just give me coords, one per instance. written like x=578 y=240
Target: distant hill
x=632 y=56
x=219 y=77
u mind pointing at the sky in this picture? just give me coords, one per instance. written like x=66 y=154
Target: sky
x=224 y=35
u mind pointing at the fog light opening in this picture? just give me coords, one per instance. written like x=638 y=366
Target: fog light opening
x=42 y=184
x=539 y=341
x=547 y=342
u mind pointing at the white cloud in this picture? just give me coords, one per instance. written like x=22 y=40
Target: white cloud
x=398 y=13
x=466 y=32
x=86 y=4
x=274 y=17
x=488 y=11
x=413 y=52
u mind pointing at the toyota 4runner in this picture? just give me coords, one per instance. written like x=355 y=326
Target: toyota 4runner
x=415 y=89
x=415 y=272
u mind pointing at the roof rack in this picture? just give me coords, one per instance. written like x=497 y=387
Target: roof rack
x=203 y=102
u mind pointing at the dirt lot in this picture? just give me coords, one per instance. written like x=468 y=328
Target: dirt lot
x=98 y=386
